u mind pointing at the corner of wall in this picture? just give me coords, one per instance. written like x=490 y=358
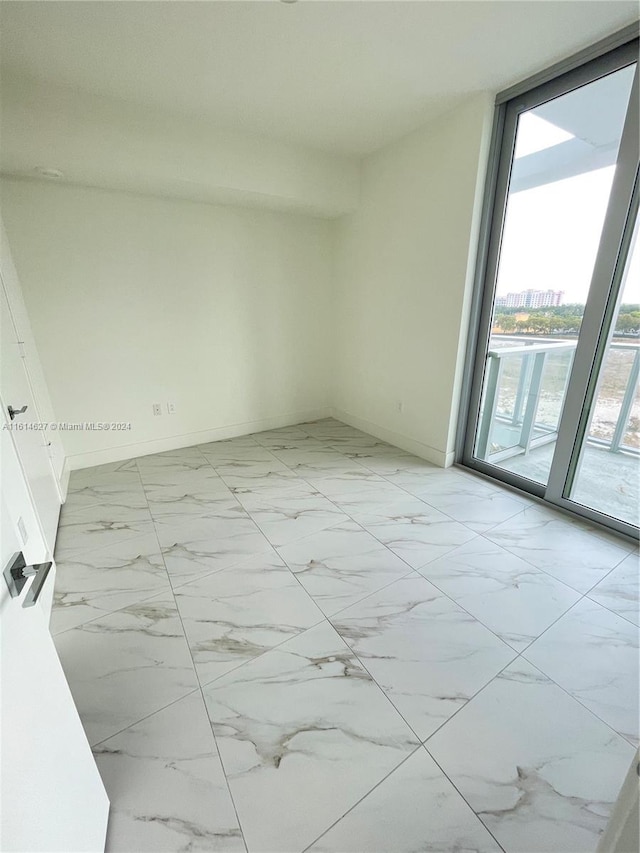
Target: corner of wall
x=404 y=442
x=486 y=105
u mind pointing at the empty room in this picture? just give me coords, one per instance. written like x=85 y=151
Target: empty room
x=320 y=445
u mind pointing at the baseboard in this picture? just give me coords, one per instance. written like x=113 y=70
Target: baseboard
x=174 y=442
x=424 y=451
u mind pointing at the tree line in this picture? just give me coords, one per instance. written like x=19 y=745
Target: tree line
x=560 y=320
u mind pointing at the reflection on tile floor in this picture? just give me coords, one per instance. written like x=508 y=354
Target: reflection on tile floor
x=307 y=639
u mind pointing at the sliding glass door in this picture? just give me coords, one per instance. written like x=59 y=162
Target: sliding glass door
x=554 y=400
x=607 y=475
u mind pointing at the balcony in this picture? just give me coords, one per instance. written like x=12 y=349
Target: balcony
x=525 y=387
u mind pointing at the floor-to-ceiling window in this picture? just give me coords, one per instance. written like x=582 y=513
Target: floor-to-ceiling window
x=554 y=404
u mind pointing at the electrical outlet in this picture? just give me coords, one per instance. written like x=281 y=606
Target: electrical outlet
x=171 y=408
x=23 y=530
x=157 y=409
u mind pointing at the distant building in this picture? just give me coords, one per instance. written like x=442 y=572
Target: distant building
x=530 y=299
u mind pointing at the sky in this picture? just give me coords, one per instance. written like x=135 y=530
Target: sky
x=552 y=232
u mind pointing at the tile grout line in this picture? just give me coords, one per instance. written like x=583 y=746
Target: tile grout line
x=441 y=768
x=263 y=653
x=363 y=797
x=142 y=719
x=242 y=561
x=411 y=572
x=331 y=527
x=420 y=742
x=517 y=654
x=244 y=663
x=416 y=571
x=168 y=705
x=484 y=534
x=199 y=687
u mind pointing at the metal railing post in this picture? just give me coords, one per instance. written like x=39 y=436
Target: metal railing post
x=494 y=371
x=627 y=403
x=533 y=399
x=523 y=382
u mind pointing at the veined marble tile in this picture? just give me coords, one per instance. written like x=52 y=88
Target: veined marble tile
x=166 y=785
x=169 y=478
x=251 y=469
x=316 y=470
x=376 y=502
x=342 y=565
x=272 y=484
x=156 y=480
x=223 y=454
x=539 y=769
x=293 y=439
x=417 y=532
x=290 y=517
x=298 y=445
x=307 y=453
x=121 y=493
x=193 y=496
x=235 y=615
x=388 y=461
x=93 y=584
x=330 y=429
x=594 y=655
x=511 y=597
x=99 y=525
x=277 y=437
x=163 y=465
x=238 y=441
x=303 y=733
x=570 y=553
x=583 y=526
x=126 y=665
x=114 y=475
x=416 y=808
x=619 y=590
x=350 y=483
x=428 y=655
x=358 y=443
x=199 y=545
x=317 y=463
x=442 y=484
x=480 y=514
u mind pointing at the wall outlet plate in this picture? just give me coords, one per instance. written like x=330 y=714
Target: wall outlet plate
x=157 y=409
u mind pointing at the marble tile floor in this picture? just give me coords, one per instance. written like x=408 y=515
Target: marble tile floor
x=309 y=640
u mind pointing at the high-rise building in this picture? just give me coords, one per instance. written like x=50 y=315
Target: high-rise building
x=530 y=299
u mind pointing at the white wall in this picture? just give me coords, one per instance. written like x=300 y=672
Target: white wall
x=100 y=142
x=248 y=319
x=404 y=268
x=135 y=300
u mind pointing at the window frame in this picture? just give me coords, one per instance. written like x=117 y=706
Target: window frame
x=605 y=57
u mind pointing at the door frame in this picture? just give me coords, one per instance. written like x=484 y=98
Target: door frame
x=608 y=56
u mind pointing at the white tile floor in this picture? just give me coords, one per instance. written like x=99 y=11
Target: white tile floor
x=307 y=639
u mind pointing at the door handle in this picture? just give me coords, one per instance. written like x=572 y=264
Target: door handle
x=13 y=412
x=17 y=572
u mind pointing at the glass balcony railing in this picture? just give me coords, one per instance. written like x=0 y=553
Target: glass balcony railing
x=525 y=385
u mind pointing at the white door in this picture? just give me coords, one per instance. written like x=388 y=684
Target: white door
x=52 y=796
x=30 y=442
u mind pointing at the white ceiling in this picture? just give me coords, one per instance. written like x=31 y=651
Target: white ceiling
x=346 y=77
